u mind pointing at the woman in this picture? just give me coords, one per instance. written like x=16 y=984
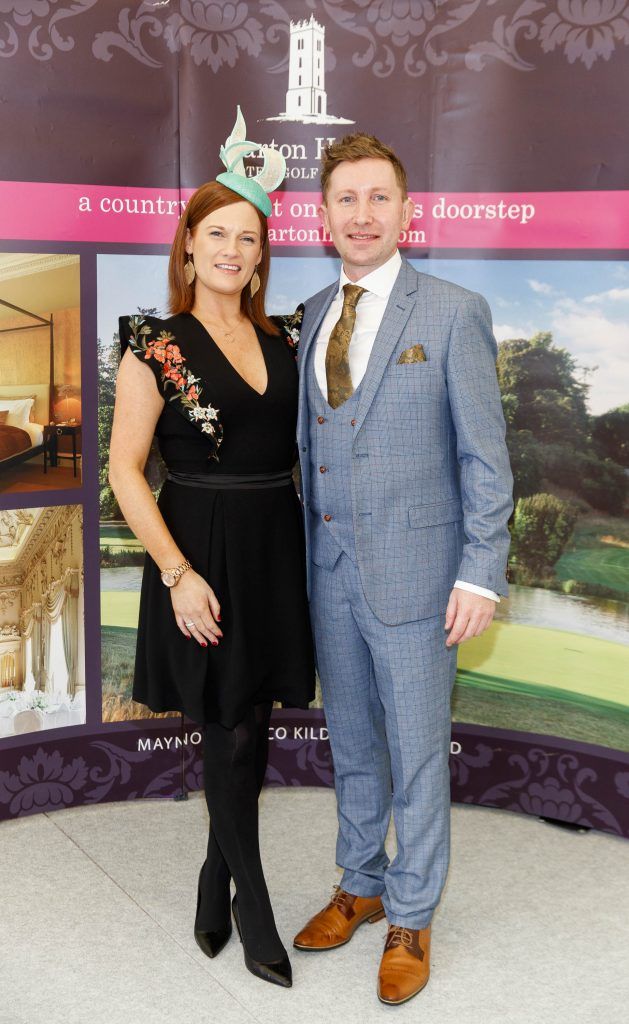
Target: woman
x=224 y=628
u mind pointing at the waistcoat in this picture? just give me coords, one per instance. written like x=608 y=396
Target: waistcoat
x=331 y=435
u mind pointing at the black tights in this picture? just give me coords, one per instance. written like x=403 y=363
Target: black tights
x=234 y=765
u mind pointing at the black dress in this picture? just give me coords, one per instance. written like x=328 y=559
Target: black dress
x=244 y=536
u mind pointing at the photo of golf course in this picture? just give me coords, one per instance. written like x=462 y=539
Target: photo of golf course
x=555 y=662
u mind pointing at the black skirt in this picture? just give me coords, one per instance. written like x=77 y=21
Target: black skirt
x=248 y=545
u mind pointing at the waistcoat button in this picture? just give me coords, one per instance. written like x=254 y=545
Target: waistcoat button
x=353 y=423
x=327 y=517
x=320 y=419
x=323 y=469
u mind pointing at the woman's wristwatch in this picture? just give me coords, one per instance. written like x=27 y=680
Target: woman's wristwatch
x=171 y=577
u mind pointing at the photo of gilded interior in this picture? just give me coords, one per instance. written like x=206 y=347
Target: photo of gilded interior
x=42 y=637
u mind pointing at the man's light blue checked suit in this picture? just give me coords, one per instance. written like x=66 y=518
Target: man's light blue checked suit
x=406 y=487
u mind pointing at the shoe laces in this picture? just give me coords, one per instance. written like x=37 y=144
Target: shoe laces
x=339 y=896
x=399 y=936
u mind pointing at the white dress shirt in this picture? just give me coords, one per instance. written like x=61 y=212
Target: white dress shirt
x=378 y=285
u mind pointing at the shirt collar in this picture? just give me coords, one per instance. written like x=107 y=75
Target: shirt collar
x=379 y=281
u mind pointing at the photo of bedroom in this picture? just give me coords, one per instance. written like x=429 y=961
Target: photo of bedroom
x=42 y=637
x=40 y=372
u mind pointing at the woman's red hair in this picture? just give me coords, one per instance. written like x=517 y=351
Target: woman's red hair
x=207 y=199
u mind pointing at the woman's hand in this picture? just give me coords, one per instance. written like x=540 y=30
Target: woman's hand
x=196 y=608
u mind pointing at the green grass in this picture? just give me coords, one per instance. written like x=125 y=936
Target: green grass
x=545 y=681
x=589 y=559
x=606 y=566
x=119 y=608
x=117 y=659
x=117 y=662
x=491 y=684
x=519 y=677
x=547 y=717
x=533 y=659
x=118 y=537
x=509 y=657
x=590 y=528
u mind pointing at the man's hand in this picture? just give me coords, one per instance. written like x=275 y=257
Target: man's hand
x=467 y=615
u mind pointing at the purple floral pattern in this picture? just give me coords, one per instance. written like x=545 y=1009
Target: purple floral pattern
x=462 y=766
x=402 y=36
x=553 y=785
x=42 y=783
x=538 y=776
x=37 y=16
x=622 y=784
x=215 y=33
x=129 y=36
x=586 y=29
x=550 y=799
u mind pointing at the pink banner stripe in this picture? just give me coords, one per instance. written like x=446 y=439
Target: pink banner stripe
x=504 y=220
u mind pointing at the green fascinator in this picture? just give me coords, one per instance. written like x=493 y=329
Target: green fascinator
x=254 y=189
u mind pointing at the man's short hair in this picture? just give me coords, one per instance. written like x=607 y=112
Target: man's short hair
x=359 y=146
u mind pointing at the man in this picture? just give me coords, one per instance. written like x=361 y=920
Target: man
x=407 y=493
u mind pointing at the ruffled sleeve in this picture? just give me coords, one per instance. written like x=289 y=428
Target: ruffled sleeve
x=137 y=334
x=290 y=326
x=176 y=381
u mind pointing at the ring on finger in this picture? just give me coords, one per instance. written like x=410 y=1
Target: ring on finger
x=190 y=625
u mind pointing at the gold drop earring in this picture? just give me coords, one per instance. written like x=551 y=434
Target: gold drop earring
x=189 y=272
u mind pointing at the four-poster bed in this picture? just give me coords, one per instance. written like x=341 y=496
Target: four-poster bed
x=26 y=409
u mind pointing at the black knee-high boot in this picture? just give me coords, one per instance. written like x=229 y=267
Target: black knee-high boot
x=214 y=911
x=231 y=791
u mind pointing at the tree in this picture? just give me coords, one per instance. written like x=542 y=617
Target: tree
x=603 y=483
x=542 y=525
x=610 y=434
x=108 y=363
x=552 y=439
x=539 y=385
x=526 y=463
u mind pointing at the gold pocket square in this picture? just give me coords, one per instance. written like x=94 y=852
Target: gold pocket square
x=415 y=354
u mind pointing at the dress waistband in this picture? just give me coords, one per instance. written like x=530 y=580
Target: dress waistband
x=231 y=481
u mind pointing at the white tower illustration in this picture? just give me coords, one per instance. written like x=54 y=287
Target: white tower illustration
x=306 y=96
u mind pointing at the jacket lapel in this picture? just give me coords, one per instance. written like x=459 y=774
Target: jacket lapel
x=398 y=309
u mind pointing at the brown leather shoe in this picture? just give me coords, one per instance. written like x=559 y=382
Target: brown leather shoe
x=335 y=924
x=405 y=964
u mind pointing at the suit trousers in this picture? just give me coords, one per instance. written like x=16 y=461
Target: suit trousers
x=386 y=694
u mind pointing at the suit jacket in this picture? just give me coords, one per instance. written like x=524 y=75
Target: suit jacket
x=431 y=484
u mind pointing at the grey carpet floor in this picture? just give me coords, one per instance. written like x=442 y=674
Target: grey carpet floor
x=97 y=905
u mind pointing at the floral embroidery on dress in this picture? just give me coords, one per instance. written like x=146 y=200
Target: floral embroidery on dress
x=290 y=326
x=175 y=373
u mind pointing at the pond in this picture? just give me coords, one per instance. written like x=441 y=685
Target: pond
x=126 y=578
x=592 y=616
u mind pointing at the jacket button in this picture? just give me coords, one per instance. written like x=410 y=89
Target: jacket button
x=323 y=469
x=320 y=419
x=327 y=517
x=353 y=423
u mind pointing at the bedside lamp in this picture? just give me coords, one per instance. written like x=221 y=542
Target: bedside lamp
x=67 y=408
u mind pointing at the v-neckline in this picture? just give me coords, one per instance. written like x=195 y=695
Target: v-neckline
x=260 y=394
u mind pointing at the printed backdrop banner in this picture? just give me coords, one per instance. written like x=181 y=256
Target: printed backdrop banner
x=507 y=116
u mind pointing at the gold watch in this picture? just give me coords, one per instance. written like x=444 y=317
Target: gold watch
x=171 y=577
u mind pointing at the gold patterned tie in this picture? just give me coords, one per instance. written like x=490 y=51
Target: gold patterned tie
x=339 y=379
